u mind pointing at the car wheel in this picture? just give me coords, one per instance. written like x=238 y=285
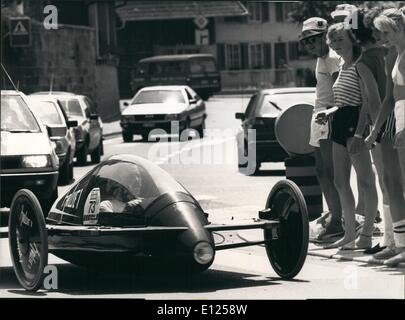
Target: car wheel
x=201 y=129
x=96 y=154
x=127 y=136
x=82 y=155
x=64 y=172
x=145 y=136
x=185 y=133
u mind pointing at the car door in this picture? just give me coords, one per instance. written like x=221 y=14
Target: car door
x=196 y=107
x=95 y=128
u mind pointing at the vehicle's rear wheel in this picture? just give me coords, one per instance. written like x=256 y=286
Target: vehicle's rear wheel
x=145 y=136
x=127 y=136
x=82 y=155
x=96 y=154
x=201 y=129
x=65 y=171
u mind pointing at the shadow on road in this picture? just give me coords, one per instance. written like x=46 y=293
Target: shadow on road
x=74 y=281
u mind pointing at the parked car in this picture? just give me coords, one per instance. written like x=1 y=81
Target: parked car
x=156 y=107
x=261 y=113
x=89 y=132
x=28 y=158
x=199 y=71
x=61 y=130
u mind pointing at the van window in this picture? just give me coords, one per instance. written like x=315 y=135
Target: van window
x=168 y=68
x=202 y=66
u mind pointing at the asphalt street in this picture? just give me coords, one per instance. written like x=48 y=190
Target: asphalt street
x=208 y=169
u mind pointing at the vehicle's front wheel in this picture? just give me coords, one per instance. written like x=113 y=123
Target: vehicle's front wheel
x=96 y=154
x=127 y=136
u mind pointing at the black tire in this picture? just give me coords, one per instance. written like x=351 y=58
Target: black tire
x=201 y=129
x=185 y=133
x=127 y=136
x=96 y=154
x=28 y=240
x=288 y=251
x=82 y=155
x=65 y=171
x=145 y=136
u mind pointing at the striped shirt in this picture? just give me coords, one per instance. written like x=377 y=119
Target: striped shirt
x=346 y=89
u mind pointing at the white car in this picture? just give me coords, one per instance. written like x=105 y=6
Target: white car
x=28 y=157
x=158 y=106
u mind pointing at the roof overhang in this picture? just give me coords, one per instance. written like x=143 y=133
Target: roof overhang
x=163 y=10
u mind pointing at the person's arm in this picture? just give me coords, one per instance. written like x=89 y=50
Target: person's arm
x=370 y=91
x=387 y=106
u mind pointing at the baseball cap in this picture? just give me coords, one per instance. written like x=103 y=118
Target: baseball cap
x=343 y=10
x=312 y=27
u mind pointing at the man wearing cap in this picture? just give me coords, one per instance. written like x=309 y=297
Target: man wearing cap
x=313 y=37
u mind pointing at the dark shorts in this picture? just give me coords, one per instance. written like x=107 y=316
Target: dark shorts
x=344 y=124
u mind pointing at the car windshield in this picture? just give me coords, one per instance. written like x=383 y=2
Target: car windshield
x=47 y=111
x=16 y=116
x=202 y=66
x=72 y=107
x=278 y=102
x=159 y=96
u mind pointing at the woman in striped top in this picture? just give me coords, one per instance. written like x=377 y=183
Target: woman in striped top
x=348 y=144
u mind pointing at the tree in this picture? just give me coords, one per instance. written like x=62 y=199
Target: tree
x=307 y=9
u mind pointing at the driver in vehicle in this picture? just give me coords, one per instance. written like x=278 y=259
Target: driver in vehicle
x=122 y=199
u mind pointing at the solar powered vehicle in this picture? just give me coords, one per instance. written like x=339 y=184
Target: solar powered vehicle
x=127 y=208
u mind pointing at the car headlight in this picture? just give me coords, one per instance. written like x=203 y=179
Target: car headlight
x=171 y=117
x=37 y=161
x=203 y=252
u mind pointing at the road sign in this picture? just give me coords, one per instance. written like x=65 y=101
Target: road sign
x=20 y=32
x=202 y=37
x=201 y=22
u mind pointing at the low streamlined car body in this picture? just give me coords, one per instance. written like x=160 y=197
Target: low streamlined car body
x=127 y=208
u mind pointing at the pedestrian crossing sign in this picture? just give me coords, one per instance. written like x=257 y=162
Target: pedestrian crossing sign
x=20 y=31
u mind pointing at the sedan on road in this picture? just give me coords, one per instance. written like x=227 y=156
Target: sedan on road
x=159 y=107
x=61 y=131
x=260 y=115
x=89 y=132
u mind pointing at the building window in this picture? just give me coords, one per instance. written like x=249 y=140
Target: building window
x=283 y=10
x=233 y=56
x=255 y=12
x=256 y=55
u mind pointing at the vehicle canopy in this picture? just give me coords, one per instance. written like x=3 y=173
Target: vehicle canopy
x=122 y=184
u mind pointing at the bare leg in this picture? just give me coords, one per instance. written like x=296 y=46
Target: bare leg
x=327 y=184
x=342 y=167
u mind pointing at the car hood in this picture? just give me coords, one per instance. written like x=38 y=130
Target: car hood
x=154 y=108
x=24 y=143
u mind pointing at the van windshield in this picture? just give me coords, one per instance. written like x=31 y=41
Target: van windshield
x=168 y=68
x=159 y=96
x=202 y=66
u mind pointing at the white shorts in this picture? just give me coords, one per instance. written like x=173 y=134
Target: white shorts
x=399 y=139
x=318 y=131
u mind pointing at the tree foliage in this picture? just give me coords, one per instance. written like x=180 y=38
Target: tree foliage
x=307 y=9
